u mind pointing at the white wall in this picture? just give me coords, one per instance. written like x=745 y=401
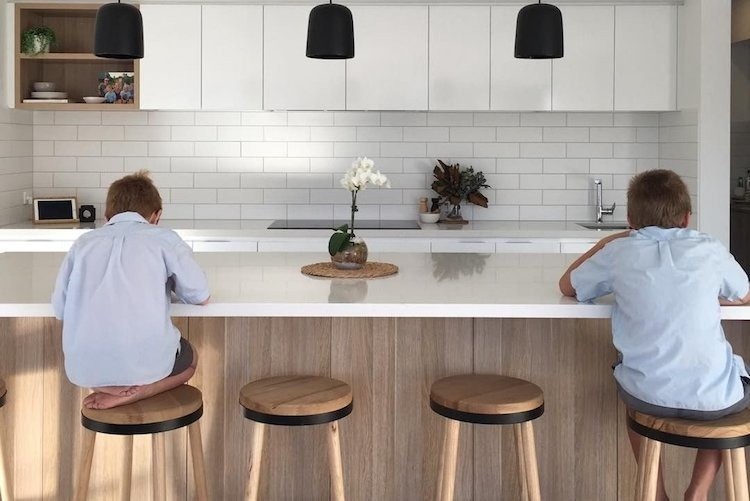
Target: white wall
x=266 y=165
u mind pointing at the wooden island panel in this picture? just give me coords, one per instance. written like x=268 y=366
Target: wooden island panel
x=390 y=442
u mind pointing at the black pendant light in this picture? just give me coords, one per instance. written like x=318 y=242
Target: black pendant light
x=330 y=32
x=539 y=32
x=119 y=31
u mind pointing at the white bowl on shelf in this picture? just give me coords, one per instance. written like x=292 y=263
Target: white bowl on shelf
x=429 y=217
x=93 y=99
x=44 y=86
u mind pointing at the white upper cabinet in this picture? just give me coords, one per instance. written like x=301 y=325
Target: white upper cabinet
x=646 y=57
x=232 y=57
x=171 y=67
x=517 y=84
x=459 y=67
x=389 y=69
x=583 y=79
x=292 y=81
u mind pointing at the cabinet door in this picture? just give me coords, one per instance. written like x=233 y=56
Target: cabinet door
x=171 y=66
x=232 y=57
x=516 y=84
x=462 y=245
x=646 y=57
x=292 y=81
x=459 y=66
x=583 y=79
x=389 y=69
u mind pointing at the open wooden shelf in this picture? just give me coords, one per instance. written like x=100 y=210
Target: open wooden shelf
x=72 y=66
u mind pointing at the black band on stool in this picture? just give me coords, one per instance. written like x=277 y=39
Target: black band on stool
x=143 y=428
x=2 y=399
x=683 y=441
x=472 y=417
x=310 y=419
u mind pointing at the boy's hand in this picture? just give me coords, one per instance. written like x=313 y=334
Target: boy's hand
x=566 y=287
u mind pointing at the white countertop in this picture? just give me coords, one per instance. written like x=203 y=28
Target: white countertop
x=271 y=284
x=257 y=229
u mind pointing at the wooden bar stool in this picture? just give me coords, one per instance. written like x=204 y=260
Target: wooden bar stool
x=488 y=399
x=296 y=401
x=176 y=408
x=4 y=480
x=731 y=434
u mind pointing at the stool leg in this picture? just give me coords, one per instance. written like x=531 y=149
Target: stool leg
x=530 y=466
x=84 y=468
x=199 y=466
x=5 y=487
x=648 y=470
x=253 y=467
x=518 y=435
x=158 y=466
x=450 y=451
x=334 y=461
x=726 y=460
x=739 y=474
x=127 y=469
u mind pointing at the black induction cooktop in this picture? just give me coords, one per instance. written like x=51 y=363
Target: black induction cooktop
x=327 y=224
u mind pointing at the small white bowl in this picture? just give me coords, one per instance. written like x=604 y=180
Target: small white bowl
x=429 y=217
x=44 y=86
x=93 y=99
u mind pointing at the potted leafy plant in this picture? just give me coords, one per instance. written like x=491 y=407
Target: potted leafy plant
x=455 y=184
x=37 y=40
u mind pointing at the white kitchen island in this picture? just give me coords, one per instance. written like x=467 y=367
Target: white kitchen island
x=442 y=314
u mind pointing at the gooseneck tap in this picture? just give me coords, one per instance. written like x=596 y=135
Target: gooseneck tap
x=600 y=209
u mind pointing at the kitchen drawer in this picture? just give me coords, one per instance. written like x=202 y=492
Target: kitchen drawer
x=294 y=245
x=466 y=245
x=398 y=244
x=578 y=247
x=36 y=246
x=531 y=245
x=225 y=246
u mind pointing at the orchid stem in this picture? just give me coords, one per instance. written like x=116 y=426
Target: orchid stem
x=354 y=209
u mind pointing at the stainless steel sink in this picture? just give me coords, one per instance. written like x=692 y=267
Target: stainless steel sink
x=604 y=226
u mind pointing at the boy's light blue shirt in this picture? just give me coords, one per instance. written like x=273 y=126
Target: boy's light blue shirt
x=113 y=295
x=666 y=320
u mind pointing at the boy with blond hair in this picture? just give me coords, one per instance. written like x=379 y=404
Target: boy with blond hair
x=668 y=282
x=113 y=295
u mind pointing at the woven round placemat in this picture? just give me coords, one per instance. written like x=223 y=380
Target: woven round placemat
x=369 y=270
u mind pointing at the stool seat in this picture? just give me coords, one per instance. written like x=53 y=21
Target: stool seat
x=3 y=391
x=166 y=411
x=726 y=433
x=296 y=400
x=486 y=398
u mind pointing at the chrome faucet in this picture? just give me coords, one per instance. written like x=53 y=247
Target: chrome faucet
x=600 y=209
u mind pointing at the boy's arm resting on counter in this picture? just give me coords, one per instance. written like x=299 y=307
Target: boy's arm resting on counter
x=189 y=280
x=61 y=285
x=739 y=302
x=735 y=289
x=566 y=286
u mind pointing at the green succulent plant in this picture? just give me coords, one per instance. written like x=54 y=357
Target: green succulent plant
x=29 y=37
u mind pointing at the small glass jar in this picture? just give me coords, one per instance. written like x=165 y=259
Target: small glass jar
x=352 y=257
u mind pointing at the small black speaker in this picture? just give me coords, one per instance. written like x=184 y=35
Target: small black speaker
x=87 y=213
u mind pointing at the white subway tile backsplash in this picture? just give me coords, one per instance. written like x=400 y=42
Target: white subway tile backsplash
x=54 y=164
x=91 y=195
x=100 y=164
x=148 y=133
x=286 y=165
x=193 y=164
x=194 y=133
x=125 y=148
x=589 y=150
x=55 y=132
x=310 y=150
x=266 y=165
x=406 y=119
x=78 y=148
x=542 y=150
x=491 y=119
x=171 y=118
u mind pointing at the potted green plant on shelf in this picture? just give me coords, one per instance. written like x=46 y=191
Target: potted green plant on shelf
x=37 y=40
x=346 y=249
x=455 y=184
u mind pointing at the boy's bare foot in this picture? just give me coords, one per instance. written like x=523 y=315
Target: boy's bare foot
x=118 y=391
x=101 y=400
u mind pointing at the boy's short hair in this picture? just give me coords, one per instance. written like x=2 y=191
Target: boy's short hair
x=133 y=193
x=657 y=197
